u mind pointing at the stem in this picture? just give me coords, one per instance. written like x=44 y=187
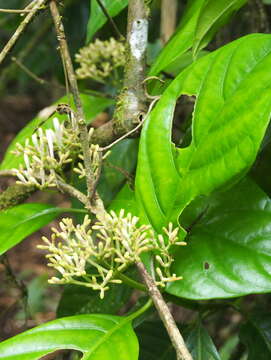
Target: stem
x=73 y=192
x=12 y=41
x=15 y=194
x=67 y=62
x=168 y=19
x=72 y=210
x=132 y=101
x=132 y=283
x=140 y=311
x=112 y=22
x=7 y=173
x=28 y=72
x=14 y=11
x=165 y=315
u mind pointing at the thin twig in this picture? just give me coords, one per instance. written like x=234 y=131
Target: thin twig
x=129 y=177
x=15 y=11
x=69 y=189
x=66 y=59
x=110 y=19
x=41 y=81
x=165 y=315
x=12 y=41
x=28 y=72
x=7 y=173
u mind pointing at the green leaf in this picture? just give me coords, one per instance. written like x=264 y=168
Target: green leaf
x=182 y=41
x=97 y=18
x=80 y=300
x=228 y=252
x=200 y=343
x=154 y=342
x=256 y=335
x=118 y=165
x=125 y=199
x=20 y=221
x=201 y=20
x=92 y=105
x=228 y=347
x=232 y=88
x=213 y=15
x=98 y=337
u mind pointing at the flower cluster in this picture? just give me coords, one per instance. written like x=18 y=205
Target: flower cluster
x=99 y=59
x=107 y=248
x=96 y=161
x=48 y=151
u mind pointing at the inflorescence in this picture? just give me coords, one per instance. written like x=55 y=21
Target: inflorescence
x=100 y=59
x=49 y=151
x=94 y=256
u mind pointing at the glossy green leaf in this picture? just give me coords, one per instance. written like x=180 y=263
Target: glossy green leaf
x=256 y=335
x=97 y=18
x=232 y=88
x=20 y=221
x=200 y=343
x=213 y=15
x=92 y=105
x=228 y=252
x=154 y=342
x=182 y=41
x=119 y=165
x=81 y=300
x=201 y=20
x=98 y=337
x=125 y=199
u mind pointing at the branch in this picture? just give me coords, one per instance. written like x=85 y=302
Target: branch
x=132 y=102
x=7 y=173
x=15 y=11
x=67 y=63
x=168 y=19
x=15 y=194
x=165 y=315
x=69 y=189
x=12 y=41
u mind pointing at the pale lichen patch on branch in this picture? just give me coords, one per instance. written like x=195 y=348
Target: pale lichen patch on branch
x=138 y=38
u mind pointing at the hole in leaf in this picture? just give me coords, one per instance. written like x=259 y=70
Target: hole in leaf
x=182 y=121
x=63 y=355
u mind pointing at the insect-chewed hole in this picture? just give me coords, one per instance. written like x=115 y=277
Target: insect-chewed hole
x=182 y=121
x=63 y=354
